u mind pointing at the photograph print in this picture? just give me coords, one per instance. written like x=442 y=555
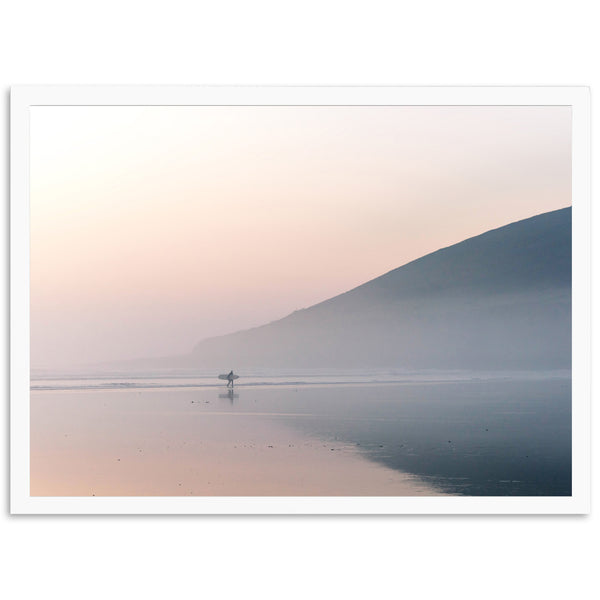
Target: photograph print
x=300 y=301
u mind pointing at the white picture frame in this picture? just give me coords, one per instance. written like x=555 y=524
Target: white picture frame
x=23 y=98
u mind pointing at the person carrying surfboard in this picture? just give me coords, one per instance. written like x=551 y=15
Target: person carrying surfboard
x=230 y=378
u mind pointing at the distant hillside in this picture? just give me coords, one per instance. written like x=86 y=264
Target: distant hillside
x=500 y=300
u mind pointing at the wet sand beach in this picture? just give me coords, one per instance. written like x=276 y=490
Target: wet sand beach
x=192 y=443
x=477 y=437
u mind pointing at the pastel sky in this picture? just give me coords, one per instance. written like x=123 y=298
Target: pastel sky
x=155 y=227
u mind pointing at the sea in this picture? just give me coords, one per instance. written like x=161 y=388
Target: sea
x=312 y=432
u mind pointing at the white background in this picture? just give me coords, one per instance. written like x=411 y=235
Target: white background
x=325 y=42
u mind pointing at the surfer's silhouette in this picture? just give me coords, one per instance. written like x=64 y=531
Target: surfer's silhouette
x=230 y=378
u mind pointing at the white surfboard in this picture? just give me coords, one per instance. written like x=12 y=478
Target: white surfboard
x=226 y=376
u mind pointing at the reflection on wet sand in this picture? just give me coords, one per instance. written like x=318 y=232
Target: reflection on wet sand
x=183 y=442
x=481 y=437
x=229 y=396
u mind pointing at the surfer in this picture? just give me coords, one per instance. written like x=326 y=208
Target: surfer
x=230 y=378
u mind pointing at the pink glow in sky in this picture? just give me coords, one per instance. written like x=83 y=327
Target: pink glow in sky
x=154 y=227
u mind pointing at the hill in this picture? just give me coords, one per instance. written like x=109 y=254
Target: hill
x=500 y=300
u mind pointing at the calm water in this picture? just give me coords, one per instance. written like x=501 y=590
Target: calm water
x=302 y=434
